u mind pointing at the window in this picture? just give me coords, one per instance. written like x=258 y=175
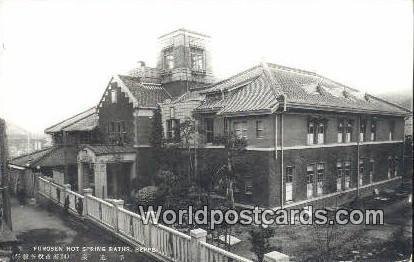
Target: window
x=289 y=174
x=396 y=165
x=197 y=59
x=168 y=59
x=172 y=112
x=289 y=183
x=340 y=131
x=117 y=132
x=391 y=133
x=347 y=174
x=339 y=176
x=320 y=169
x=173 y=130
x=348 y=131
x=373 y=136
x=84 y=138
x=209 y=130
x=310 y=173
x=259 y=129
x=114 y=97
x=361 y=172
x=362 y=130
x=311 y=133
x=371 y=170
x=390 y=167
x=321 y=133
x=240 y=129
x=248 y=187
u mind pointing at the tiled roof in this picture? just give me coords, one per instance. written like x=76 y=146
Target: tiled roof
x=110 y=149
x=147 y=94
x=86 y=124
x=32 y=158
x=85 y=121
x=259 y=88
x=52 y=156
x=189 y=96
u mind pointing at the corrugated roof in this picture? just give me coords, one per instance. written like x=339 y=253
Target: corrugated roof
x=258 y=89
x=87 y=118
x=146 y=94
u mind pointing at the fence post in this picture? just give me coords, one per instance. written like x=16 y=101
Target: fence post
x=117 y=203
x=149 y=227
x=275 y=256
x=197 y=235
x=86 y=192
x=66 y=188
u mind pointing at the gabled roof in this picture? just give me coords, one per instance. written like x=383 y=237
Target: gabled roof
x=85 y=121
x=140 y=94
x=147 y=94
x=258 y=90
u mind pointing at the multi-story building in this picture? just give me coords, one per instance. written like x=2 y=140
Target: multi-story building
x=308 y=137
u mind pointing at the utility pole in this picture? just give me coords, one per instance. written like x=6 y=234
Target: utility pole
x=4 y=175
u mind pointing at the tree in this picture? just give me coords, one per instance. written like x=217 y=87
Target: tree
x=157 y=140
x=187 y=135
x=233 y=145
x=259 y=237
x=146 y=196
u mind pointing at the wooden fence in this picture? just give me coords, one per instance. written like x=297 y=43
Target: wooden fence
x=167 y=244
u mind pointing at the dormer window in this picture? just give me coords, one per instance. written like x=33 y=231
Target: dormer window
x=168 y=59
x=114 y=97
x=197 y=59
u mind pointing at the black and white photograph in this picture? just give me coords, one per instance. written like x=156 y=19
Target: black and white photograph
x=206 y=131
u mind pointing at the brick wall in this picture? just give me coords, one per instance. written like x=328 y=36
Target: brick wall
x=120 y=111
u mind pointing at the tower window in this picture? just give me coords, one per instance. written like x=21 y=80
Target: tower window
x=168 y=59
x=197 y=59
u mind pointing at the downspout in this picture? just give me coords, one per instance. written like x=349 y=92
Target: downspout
x=282 y=199
x=403 y=155
x=358 y=142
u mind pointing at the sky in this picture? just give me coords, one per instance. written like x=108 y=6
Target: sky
x=56 y=57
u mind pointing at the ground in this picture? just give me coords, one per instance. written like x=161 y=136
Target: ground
x=45 y=225
x=389 y=242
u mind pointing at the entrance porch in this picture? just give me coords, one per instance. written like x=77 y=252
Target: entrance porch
x=108 y=170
